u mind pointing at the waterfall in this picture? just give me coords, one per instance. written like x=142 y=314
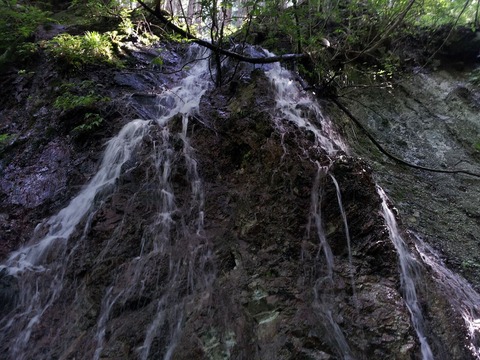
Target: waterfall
x=60 y=226
x=157 y=268
x=408 y=275
x=460 y=294
x=297 y=107
x=159 y=240
x=40 y=266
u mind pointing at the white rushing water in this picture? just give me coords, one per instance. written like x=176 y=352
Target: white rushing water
x=175 y=237
x=408 y=276
x=40 y=266
x=32 y=256
x=458 y=291
x=296 y=106
x=181 y=241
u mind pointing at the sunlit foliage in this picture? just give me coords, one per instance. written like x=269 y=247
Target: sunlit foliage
x=80 y=50
x=353 y=27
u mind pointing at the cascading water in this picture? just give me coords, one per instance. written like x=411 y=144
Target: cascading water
x=186 y=98
x=408 y=275
x=148 y=283
x=296 y=107
x=302 y=111
x=59 y=227
x=41 y=265
x=462 y=297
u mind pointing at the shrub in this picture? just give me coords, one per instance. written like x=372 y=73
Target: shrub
x=17 y=24
x=81 y=50
x=68 y=100
x=92 y=122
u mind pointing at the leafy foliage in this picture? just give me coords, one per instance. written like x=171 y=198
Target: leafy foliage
x=361 y=31
x=20 y=19
x=100 y=8
x=82 y=95
x=477 y=146
x=93 y=47
x=18 y=22
x=4 y=138
x=78 y=51
x=92 y=122
x=474 y=77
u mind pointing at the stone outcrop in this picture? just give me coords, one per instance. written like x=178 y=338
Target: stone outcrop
x=253 y=283
x=429 y=119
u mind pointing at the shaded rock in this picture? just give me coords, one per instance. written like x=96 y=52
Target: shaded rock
x=237 y=270
x=8 y=292
x=430 y=120
x=139 y=82
x=38 y=180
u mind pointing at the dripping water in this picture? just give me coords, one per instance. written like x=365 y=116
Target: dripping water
x=295 y=106
x=347 y=236
x=41 y=264
x=458 y=291
x=107 y=305
x=323 y=302
x=316 y=220
x=408 y=275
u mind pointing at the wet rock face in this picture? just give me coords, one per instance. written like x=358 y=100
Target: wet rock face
x=268 y=258
x=40 y=177
x=430 y=119
x=254 y=283
x=43 y=162
x=8 y=293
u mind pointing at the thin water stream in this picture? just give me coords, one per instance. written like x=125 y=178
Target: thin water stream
x=174 y=254
x=408 y=275
x=298 y=108
x=460 y=294
x=323 y=289
x=41 y=265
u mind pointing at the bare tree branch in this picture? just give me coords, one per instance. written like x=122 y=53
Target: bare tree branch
x=187 y=35
x=386 y=33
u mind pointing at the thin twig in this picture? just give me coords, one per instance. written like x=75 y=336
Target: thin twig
x=213 y=47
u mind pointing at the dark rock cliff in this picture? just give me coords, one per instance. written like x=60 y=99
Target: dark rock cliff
x=253 y=284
